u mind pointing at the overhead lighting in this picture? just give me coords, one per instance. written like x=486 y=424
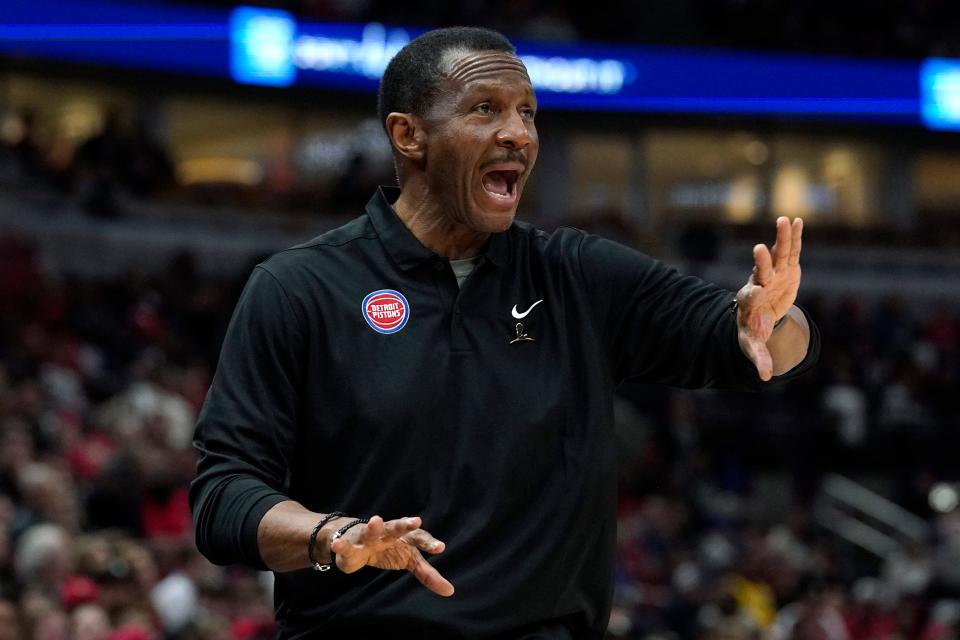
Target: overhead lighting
x=219 y=171
x=943 y=497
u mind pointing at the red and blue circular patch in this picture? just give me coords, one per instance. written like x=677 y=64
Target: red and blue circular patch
x=386 y=310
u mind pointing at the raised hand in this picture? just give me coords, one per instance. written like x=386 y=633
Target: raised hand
x=395 y=544
x=769 y=293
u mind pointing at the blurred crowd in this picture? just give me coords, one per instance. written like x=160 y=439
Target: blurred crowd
x=693 y=569
x=720 y=532
x=124 y=160
x=100 y=382
x=856 y=27
x=121 y=159
x=719 y=536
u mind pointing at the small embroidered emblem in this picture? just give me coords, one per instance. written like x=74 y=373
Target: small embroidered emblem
x=521 y=334
x=386 y=310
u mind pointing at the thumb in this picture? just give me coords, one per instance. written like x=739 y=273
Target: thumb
x=756 y=350
x=350 y=557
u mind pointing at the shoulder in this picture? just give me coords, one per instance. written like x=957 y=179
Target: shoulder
x=357 y=230
x=563 y=242
x=570 y=243
x=313 y=257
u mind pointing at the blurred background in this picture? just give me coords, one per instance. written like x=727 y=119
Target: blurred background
x=151 y=153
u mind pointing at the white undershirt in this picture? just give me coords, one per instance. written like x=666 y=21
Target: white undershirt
x=463 y=268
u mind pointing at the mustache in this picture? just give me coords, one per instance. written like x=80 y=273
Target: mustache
x=511 y=156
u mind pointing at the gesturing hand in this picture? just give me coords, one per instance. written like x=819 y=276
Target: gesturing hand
x=395 y=544
x=769 y=293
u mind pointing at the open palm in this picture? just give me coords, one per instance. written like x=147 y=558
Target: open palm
x=394 y=545
x=769 y=293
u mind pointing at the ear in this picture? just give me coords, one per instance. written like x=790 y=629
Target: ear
x=407 y=135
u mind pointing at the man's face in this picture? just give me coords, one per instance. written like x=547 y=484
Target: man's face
x=481 y=139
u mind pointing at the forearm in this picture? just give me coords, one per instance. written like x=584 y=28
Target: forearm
x=284 y=535
x=226 y=511
x=789 y=343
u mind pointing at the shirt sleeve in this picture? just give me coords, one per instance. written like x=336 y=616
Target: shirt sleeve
x=245 y=432
x=662 y=327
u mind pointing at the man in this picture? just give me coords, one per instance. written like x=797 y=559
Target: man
x=436 y=364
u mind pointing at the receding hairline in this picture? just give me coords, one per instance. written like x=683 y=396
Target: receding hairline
x=413 y=76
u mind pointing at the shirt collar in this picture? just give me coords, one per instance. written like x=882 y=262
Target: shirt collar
x=404 y=247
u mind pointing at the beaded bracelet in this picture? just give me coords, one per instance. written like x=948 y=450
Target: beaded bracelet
x=313 y=541
x=342 y=530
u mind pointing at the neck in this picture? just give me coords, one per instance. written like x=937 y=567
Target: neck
x=424 y=216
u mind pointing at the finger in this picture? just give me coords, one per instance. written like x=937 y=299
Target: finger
x=350 y=557
x=781 y=248
x=424 y=541
x=354 y=547
x=401 y=527
x=429 y=576
x=796 y=233
x=343 y=549
x=763 y=269
x=370 y=533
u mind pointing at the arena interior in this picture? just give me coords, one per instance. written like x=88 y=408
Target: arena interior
x=149 y=158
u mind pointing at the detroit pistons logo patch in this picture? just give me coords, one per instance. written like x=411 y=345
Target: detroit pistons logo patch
x=386 y=310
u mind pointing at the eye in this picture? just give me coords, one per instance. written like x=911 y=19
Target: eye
x=483 y=107
x=528 y=112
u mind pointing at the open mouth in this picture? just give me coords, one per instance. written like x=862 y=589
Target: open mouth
x=501 y=185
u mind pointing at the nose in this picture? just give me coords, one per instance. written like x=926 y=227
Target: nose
x=514 y=134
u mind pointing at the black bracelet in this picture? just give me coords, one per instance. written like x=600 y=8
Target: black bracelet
x=342 y=530
x=313 y=540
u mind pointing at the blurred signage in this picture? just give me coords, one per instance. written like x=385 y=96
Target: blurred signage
x=264 y=50
x=260 y=44
x=254 y=45
x=816 y=198
x=940 y=92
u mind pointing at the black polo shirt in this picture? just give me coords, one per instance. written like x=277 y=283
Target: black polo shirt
x=357 y=376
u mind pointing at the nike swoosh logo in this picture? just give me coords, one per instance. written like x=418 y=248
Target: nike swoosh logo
x=521 y=316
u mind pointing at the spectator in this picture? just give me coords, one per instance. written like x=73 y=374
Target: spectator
x=99 y=163
x=89 y=622
x=42 y=560
x=30 y=156
x=147 y=163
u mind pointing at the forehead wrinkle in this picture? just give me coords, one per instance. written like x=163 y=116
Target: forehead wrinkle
x=491 y=73
x=473 y=66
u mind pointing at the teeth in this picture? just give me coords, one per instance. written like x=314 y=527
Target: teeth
x=497 y=183
x=501 y=184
